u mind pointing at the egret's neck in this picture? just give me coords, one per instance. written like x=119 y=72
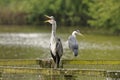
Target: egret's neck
x=53 y=34
x=73 y=34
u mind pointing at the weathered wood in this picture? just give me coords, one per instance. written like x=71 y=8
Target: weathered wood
x=64 y=72
x=92 y=62
x=0 y=75
x=6 y=62
x=69 y=77
x=113 y=75
x=51 y=71
x=49 y=62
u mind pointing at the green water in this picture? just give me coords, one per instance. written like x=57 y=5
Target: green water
x=31 y=42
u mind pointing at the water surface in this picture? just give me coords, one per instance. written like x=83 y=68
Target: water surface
x=36 y=45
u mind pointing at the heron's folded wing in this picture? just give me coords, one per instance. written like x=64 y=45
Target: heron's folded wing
x=59 y=47
x=72 y=43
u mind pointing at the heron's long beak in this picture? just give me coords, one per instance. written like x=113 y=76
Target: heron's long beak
x=80 y=34
x=47 y=21
x=49 y=18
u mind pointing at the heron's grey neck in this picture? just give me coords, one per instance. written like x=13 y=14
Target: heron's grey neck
x=74 y=33
x=54 y=29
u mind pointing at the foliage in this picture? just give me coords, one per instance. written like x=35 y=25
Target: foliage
x=72 y=13
x=102 y=14
x=105 y=14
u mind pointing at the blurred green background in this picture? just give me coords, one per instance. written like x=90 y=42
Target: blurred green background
x=96 y=14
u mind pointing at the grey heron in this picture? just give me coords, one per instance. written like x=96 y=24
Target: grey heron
x=73 y=43
x=56 y=48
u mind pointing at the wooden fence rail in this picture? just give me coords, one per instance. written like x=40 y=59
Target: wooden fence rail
x=52 y=71
x=61 y=71
x=5 y=62
x=9 y=66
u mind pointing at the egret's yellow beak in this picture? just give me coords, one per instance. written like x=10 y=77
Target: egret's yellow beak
x=49 y=18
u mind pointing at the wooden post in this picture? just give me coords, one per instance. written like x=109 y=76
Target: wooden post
x=113 y=75
x=46 y=63
x=50 y=64
x=0 y=75
x=69 y=77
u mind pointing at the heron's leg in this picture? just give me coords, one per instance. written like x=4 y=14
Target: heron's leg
x=57 y=60
x=54 y=58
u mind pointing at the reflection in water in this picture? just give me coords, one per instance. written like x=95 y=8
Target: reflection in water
x=25 y=39
x=42 y=40
x=35 y=46
x=102 y=46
